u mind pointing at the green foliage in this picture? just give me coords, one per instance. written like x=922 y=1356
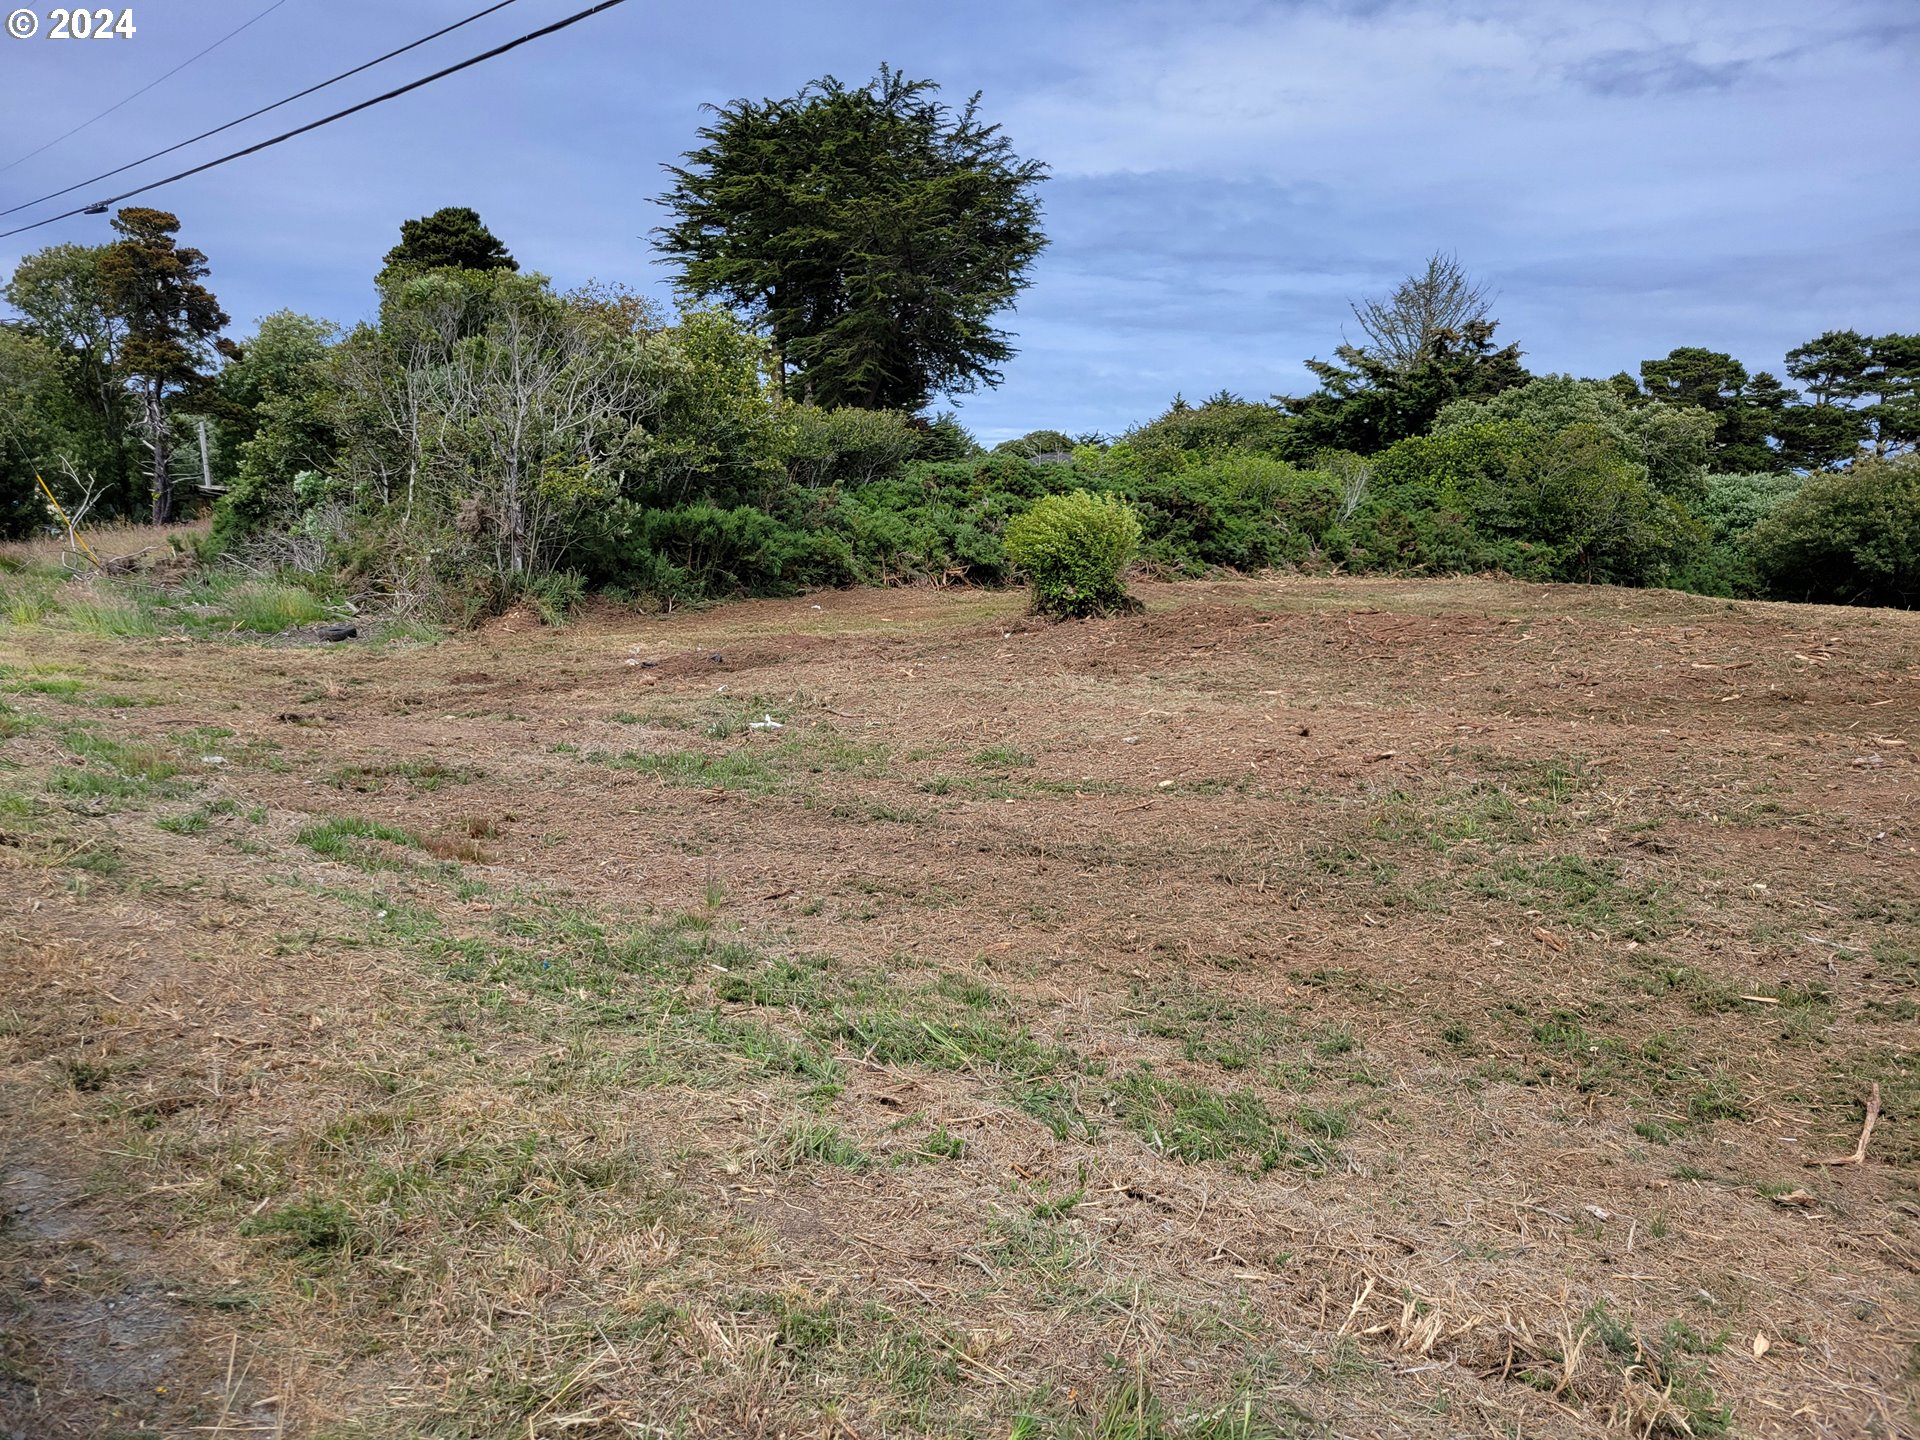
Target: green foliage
x=1037 y=442
x=1366 y=402
x=1865 y=391
x=152 y=286
x=452 y=238
x=64 y=408
x=1223 y=423
x=1075 y=549
x=845 y=447
x=1730 y=507
x=1220 y=509
x=691 y=552
x=1566 y=505
x=1671 y=441
x=1744 y=410
x=1850 y=537
x=490 y=441
x=938 y=521
x=873 y=231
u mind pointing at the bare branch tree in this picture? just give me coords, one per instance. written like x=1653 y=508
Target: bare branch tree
x=84 y=490
x=1444 y=298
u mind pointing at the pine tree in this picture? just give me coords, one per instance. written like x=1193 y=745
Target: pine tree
x=873 y=231
x=153 y=285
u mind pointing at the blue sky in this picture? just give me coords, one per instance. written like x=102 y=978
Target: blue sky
x=1627 y=176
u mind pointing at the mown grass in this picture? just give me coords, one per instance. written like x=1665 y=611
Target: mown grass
x=334 y=839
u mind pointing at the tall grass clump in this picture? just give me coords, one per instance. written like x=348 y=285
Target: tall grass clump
x=267 y=607
x=118 y=616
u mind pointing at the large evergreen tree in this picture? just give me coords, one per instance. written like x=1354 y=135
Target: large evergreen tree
x=153 y=286
x=1367 y=401
x=1747 y=409
x=452 y=238
x=874 y=232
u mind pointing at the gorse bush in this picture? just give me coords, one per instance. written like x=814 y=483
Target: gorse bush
x=1075 y=549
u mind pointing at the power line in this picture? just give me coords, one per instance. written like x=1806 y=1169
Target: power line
x=255 y=115
x=148 y=86
x=99 y=207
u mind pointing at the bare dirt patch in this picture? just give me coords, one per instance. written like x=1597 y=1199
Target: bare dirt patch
x=1351 y=1007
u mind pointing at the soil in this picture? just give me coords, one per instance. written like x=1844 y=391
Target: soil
x=1562 y=927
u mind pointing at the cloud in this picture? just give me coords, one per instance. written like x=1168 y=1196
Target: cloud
x=1659 y=70
x=1628 y=175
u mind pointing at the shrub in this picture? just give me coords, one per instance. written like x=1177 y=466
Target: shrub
x=1850 y=538
x=1075 y=549
x=940 y=521
x=1729 y=510
x=1037 y=442
x=846 y=446
x=1233 y=511
x=1574 y=504
x=698 y=551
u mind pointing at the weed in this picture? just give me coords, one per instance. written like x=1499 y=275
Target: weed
x=1192 y=1123
x=311 y=1229
x=942 y=1144
x=333 y=840
x=735 y=770
x=1211 y=1027
x=111 y=615
x=267 y=608
x=803 y=1140
x=1135 y=1414
x=1002 y=757
x=1720 y=1098
x=425 y=775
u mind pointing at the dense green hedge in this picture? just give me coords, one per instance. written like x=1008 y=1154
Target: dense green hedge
x=689 y=477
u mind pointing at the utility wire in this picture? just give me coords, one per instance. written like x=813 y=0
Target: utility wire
x=255 y=115
x=99 y=207
x=144 y=88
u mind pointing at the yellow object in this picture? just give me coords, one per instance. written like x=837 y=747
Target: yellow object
x=72 y=530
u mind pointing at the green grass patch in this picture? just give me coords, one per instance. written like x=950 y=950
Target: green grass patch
x=1194 y=1124
x=424 y=775
x=267 y=608
x=335 y=839
x=735 y=770
x=801 y=1141
x=115 y=616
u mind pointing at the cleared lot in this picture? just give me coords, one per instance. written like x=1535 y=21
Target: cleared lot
x=1341 y=1007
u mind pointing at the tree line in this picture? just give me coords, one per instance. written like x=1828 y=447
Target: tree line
x=841 y=258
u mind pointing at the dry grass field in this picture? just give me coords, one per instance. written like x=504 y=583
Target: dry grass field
x=1308 y=1008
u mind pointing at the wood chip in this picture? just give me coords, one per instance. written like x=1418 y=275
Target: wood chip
x=1548 y=938
x=1859 y=1155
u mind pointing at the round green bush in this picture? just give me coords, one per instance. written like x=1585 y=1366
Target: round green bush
x=1074 y=549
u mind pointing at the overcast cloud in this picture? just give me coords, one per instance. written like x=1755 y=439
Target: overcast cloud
x=1627 y=176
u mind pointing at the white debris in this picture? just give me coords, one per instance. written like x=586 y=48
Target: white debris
x=213 y=759
x=765 y=722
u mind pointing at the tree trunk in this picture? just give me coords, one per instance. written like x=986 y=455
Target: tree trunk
x=162 y=473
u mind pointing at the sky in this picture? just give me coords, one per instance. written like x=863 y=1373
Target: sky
x=1225 y=178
